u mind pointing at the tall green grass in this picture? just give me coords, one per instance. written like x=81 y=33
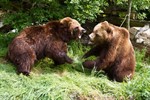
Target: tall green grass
x=69 y=81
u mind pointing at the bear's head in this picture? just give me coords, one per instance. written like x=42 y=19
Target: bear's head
x=103 y=32
x=72 y=27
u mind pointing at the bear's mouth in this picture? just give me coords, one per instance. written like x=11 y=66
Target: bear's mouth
x=79 y=36
x=77 y=33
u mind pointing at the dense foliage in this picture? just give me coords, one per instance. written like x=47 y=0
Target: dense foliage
x=140 y=7
x=22 y=13
x=85 y=9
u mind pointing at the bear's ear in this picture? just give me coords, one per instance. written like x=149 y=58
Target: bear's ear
x=107 y=27
x=65 y=20
x=106 y=22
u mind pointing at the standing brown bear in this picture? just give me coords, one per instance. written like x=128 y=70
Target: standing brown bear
x=49 y=40
x=114 y=51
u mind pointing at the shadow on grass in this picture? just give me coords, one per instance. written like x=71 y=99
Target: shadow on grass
x=45 y=66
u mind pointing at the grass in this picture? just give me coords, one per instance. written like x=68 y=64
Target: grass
x=69 y=82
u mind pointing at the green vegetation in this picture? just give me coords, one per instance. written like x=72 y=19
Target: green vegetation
x=69 y=82
x=22 y=13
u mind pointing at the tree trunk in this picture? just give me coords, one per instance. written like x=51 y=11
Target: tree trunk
x=129 y=13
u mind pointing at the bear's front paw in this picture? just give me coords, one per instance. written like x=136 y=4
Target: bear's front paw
x=89 y=64
x=24 y=72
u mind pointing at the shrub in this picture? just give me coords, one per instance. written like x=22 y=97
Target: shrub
x=84 y=10
x=25 y=13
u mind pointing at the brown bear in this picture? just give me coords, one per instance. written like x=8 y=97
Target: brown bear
x=114 y=51
x=49 y=40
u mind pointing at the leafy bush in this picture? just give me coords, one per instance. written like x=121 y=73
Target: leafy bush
x=138 y=6
x=18 y=20
x=5 y=39
x=39 y=11
x=23 y=13
x=84 y=10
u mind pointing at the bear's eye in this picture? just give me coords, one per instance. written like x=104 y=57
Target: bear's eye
x=108 y=30
x=96 y=35
x=76 y=28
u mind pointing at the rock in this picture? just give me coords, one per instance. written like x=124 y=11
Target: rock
x=140 y=37
x=141 y=34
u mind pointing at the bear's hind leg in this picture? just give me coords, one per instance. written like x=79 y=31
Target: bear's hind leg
x=24 y=63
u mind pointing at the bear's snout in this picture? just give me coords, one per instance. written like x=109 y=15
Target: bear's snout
x=82 y=32
x=92 y=36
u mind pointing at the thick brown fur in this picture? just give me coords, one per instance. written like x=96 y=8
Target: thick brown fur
x=49 y=40
x=114 y=51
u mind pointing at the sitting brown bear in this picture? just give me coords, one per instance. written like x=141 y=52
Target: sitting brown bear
x=49 y=40
x=114 y=51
